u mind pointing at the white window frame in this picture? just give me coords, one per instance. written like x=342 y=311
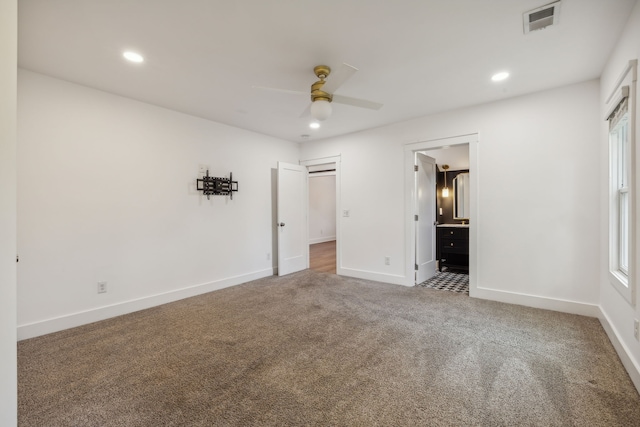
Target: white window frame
x=619 y=168
x=622 y=168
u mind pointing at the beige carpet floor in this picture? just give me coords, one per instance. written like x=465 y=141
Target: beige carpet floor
x=317 y=349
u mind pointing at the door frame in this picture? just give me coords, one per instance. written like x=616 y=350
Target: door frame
x=337 y=159
x=410 y=203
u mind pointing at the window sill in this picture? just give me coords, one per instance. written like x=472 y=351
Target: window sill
x=621 y=283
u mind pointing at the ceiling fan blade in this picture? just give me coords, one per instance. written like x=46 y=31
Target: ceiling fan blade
x=337 y=78
x=362 y=103
x=306 y=112
x=273 y=89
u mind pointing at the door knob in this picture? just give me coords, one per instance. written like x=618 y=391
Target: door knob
x=281 y=224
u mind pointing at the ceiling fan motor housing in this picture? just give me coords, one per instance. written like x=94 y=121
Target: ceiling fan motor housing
x=317 y=94
x=322 y=71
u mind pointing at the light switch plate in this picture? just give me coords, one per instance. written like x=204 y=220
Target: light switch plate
x=102 y=287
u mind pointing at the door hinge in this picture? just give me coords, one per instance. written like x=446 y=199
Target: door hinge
x=416 y=267
x=415 y=217
x=415 y=168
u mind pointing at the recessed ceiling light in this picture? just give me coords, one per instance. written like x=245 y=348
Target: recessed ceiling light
x=133 y=56
x=499 y=76
x=314 y=125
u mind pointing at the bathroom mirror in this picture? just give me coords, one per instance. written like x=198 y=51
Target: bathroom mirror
x=461 y=192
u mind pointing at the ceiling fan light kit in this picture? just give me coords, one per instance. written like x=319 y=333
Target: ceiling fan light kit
x=321 y=110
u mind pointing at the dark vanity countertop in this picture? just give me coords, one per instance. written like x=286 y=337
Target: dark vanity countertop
x=454 y=225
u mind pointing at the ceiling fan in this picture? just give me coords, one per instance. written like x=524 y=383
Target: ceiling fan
x=322 y=92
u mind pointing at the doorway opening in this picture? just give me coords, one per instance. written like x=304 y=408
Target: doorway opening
x=436 y=219
x=323 y=218
x=443 y=201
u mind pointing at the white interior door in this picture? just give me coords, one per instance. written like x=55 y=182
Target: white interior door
x=293 y=241
x=426 y=223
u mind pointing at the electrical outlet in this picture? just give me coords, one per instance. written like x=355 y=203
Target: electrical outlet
x=202 y=169
x=387 y=260
x=636 y=329
x=346 y=213
x=102 y=287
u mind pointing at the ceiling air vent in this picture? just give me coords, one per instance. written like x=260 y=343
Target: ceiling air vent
x=542 y=17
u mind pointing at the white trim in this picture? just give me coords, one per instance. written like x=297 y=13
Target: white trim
x=409 y=155
x=624 y=353
x=320 y=174
x=631 y=64
x=72 y=320
x=322 y=240
x=375 y=276
x=321 y=160
x=553 y=304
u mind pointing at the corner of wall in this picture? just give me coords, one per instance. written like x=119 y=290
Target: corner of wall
x=624 y=353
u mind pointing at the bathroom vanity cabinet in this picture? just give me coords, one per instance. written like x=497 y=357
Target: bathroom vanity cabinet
x=453 y=246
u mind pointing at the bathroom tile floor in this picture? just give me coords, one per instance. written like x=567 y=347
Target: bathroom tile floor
x=449 y=280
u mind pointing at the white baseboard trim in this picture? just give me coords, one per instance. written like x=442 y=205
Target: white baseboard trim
x=72 y=320
x=371 y=275
x=629 y=363
x=322 y=240
x=553 y=304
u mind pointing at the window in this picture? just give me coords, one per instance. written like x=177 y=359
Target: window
x=621 y=120
x=619 y=146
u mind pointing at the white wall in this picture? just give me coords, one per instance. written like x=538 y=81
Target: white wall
x=322 y=208
x=8 y=64
x=618 y=315
x=538 y=210
x=106 y=192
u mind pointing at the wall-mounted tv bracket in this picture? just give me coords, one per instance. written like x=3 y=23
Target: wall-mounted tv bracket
x=213 y=186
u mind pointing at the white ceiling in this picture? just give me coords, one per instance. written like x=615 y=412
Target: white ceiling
x=418 y=57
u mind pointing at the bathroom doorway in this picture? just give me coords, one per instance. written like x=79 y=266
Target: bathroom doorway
x=447 y=234
x=425 y=230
